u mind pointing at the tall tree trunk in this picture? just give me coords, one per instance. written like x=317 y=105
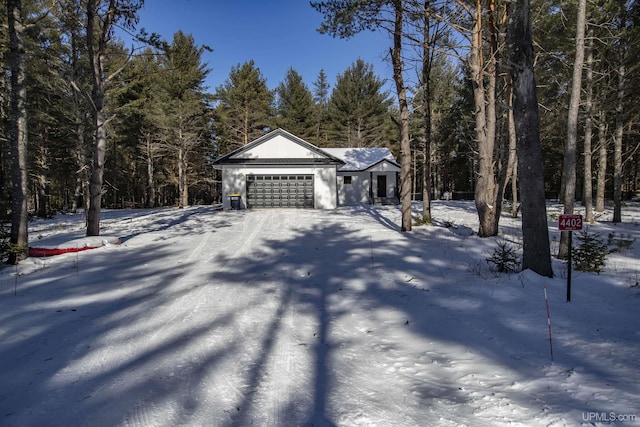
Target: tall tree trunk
x=403 y=126
x=535 y=234
x=5 y=145
x=512 y=163
x=476 y=67
x=602 y=161
x=514 y=189
x=427 y=62
x=588 y=131
x=40 y=174
x=151 y=188
x=426 y=181
x=414 y=181
x=436 y=173
x=97 y=56
x=183 y=194
x=245 y=127
x=19 y=238
x=97 y=173
x=488 y=204
x=617 y=140
x=99 y=142
x=81 y=193
x=569 y=169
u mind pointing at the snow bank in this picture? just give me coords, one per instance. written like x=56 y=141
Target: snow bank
x=50 y=248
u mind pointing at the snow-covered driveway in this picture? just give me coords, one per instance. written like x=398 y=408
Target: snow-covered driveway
x=296 y=317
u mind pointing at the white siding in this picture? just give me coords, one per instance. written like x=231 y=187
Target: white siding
x=234 y=182
x=391 y=183
x=355 y=193
x=278 y=147
x=358 y=191
x=384 y=167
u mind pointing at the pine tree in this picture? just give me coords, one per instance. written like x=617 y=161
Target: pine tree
x=135 y=126
x=182 y=116
x=5 y=155
x=295 y=109
x=570 y=148
x=536 y=253
x=346 y=18
x=321 y=100
x=50 y=154
x=590 y=253
x=99 y=32
x=358 y=108
x=245 y=107
x=77 y=92
x=18 y=135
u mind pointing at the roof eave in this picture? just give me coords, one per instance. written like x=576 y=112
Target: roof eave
x=224 y=159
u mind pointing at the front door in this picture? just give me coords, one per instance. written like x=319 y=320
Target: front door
x=382 y=186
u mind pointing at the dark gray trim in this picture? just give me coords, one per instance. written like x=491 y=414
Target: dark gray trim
x=287 y=161
x=380 y=161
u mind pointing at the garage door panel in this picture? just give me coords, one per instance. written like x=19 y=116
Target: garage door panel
x=275 y=191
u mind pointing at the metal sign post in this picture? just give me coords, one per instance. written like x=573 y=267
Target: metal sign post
x=569 y=223
x=569 y=266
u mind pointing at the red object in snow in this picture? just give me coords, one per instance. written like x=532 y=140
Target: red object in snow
x=77 y=245
x=46 y=252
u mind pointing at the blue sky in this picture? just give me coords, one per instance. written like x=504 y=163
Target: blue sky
x=276 y=34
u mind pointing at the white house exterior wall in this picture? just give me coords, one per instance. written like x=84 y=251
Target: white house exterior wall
x=324 y=182
x=384 y=167
x=278 y=147
x=390 y=170
x=358 y=191
x=391 y=183
x=355 y=193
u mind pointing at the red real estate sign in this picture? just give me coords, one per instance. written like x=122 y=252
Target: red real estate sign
x=570 y=223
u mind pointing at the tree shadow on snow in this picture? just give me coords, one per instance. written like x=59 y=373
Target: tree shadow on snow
x=191 y=220
x=314 y=269
x=329 y=323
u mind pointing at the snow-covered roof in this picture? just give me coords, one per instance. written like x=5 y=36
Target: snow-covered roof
x=355 y=159
x=360 y=159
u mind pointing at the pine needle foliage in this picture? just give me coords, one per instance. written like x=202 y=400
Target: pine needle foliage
x=4 y=240
x=590 y=253
x=620 y=244
x=294 y=105
x=505 y=258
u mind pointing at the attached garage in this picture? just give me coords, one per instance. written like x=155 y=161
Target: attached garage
x=279 y=191
x=280 y=170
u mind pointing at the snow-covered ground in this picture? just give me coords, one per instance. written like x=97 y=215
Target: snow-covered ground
x=315 y=318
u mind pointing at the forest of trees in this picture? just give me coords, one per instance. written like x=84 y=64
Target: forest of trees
x=102 y=125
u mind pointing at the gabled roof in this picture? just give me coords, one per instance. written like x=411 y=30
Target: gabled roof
x=362 y=159
x=240 y=155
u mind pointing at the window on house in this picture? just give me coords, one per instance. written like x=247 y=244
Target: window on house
x=347 y=179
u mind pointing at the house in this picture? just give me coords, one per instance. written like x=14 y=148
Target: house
x=281 y=170
x=369 y=176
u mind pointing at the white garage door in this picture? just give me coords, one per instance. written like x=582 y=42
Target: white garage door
x=280 y=191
